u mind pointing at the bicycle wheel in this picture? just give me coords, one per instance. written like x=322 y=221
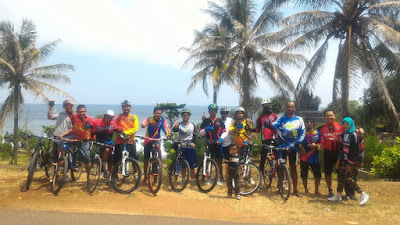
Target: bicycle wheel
x=179 y=174
x=59 y=175
x=33 y=165
x=79 y=167
x=49 y=169
x=249 y=179
x=284 y=182
x=267 y=174
x=155 y=175
x=206 y=178
x=94 y=175
x=128 y=181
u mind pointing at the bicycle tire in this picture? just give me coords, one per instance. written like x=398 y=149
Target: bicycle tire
x=31 y=168
x=211 y=175
x=127 y=183
x=94 y=175
x=79 y=167
x=250 y=182
x=176 y=172
x=59 y=175
x=155 y=176
x=268 y=173
x=284 y=181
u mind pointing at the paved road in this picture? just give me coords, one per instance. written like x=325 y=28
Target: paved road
x=29 y=217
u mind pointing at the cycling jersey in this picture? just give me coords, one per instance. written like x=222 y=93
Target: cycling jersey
x=226 y=139
x=291 y=131
x=154 y=128
x=310 y=137
x=330 y=134
x=218 y=128
x=266 y=134
x=241 y=134
x=350 y=151
x=186 y=133
x=127 y=124
x=81 y=128
x=103 y=131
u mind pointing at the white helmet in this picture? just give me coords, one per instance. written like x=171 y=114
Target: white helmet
x=225 y=109
x=266 y=101
x=109 y=113
x=239 y=109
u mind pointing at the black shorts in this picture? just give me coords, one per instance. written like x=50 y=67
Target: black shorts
x=131 y=148
x=215 y=150
x=226 y=152
x=330 y=159
x=315 y=167
x=147 y=149
x=292 y=157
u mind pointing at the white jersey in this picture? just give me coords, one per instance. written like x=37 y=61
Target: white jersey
x=226 y=138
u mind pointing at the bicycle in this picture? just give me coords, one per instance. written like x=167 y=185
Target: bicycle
x=271 y=169
x=250 y=175
x=207 y=172
x=95 y=170
x=127 y=173
x=64 y=163
x=40 y=158
x=179 y=171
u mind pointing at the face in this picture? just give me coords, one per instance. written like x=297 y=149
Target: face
x=267 y=108
x=224 y=115
x=69 y=108
x=81 y=112
x=126 y=109
x=329 y=117
x=290 y=108
x=108 y=119
x=240 y=115
x=213 y=113
x=185 y=117
x=345 y=126
x=157 y=114
x=309 y=125
x=233 y=150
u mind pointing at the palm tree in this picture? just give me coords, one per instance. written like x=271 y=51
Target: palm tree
x=208 y=53
x=20 y=67
x=365 y=29
x=250 y=55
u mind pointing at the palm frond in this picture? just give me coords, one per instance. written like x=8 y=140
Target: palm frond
x=46 y=87
x=27 y=34
x=47 y=49
x=391 y=7
x=6 y=109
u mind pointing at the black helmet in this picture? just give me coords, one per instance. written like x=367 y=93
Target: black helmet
x=126 y=102
x=186 y=111
x=225 y=109
x=213 y=106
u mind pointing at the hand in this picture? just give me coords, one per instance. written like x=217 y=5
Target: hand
x=312 y=145
x=226 y=175
x=209 y=128
x=245 y=142
x=192 y=145
x=240 y=125
x=144 y=124
x=51 y=103
x=219 y=141
x=337 y=165
x=266 y=123
x=203 y=117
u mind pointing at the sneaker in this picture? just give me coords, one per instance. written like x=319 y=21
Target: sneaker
x=252 y=181
x=345 y=198
x=364 y=198
x=219 y=183
x=335 y=198
x=106 y=176
x=208 y=182
x=330 y=193
x=353 y=197
x=237 y=197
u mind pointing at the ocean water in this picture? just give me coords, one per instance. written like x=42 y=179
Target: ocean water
x=34 y=116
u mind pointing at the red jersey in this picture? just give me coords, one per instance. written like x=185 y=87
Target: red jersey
x=266 y=133
x=80 y=128
x=330 y=136
x=103 y=131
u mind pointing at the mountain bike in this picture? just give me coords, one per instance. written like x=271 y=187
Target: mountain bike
x=179 y=170
x=95 y=170
x=40 y=157
x=127 y=173
x=276 y=166
x=207 y=172
x=250 y=175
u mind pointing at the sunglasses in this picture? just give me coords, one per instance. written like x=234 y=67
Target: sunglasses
x=187 y=115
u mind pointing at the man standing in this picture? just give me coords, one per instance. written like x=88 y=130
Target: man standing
x=128 y=124
x=226 y=139
x=291 y=133
x=267 y=135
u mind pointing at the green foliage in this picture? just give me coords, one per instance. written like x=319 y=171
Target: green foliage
x=6 y=148
x=172 y=110
x=48 y=129
x=387 y=165
x=372 y=147
x=279 y=103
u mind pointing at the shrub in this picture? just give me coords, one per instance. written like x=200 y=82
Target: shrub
x=387 y=165
x=372 y=147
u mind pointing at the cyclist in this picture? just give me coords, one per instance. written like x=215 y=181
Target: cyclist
x=330 y=135
x=103 y=129
x=242 y=129
x=267 y=135
x=155 y=124
x=213 y=127
x=226 y=139
x=290 y=134
x=309 y=156
x=187 y=131
x=348 y=162
x=63 y=124
x=81 y=130
x=128 y=124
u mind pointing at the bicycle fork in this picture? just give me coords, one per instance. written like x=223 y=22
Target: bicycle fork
x=125 y=167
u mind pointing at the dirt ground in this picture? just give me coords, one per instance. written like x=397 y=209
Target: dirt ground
x=261 y=207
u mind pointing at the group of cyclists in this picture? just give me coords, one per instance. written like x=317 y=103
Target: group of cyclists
x=227 y=137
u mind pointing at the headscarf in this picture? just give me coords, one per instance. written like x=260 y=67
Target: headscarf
x=351 y=123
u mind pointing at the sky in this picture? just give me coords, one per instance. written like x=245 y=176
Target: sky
x=129 y=49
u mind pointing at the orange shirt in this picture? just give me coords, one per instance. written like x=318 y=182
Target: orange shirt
x=127 y=124
x=80 y=127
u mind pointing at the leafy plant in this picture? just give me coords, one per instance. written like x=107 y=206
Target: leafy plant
x=387 y=165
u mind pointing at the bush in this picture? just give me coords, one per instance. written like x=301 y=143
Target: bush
x=387 y=165
x=372 y=147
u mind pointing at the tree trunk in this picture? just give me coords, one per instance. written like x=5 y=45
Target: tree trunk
x=215 y=96
x=16 y=107
x=245 y=87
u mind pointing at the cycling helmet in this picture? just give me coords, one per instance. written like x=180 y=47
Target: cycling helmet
x=266 y=101
x=186 y=111
x=126 y=102
x=225 y=109
x=109 y=113
x=239 y=109
x=212 y=106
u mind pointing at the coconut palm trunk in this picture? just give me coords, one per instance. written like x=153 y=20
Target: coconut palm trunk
x=16 y=116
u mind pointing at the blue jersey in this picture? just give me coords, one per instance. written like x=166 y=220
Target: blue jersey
x=309 y=139
x=291 y=131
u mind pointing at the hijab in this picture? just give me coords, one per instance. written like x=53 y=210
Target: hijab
x=351 y=124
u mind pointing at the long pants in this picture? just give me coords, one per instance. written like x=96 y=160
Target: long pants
x=235 y=178
x=346 y=178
